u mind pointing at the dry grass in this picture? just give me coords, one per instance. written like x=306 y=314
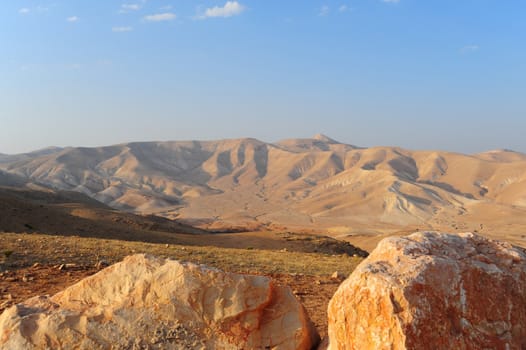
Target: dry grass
x=307 y=273
x=28 y=249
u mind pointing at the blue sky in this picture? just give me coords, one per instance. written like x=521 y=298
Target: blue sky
x=423 y=74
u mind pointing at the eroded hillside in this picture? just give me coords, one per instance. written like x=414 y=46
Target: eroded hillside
x=298 y=183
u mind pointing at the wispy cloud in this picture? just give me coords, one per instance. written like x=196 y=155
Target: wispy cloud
x=344 y=8
x=131 y=7
x=391 y=1
x=231 y=8
x=469 y=49
x=27 y=10
x=324 y=10
x=121 y=29
x=72 y=19
x=160 y=17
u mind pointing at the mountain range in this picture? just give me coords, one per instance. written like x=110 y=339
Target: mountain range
x=315 y=184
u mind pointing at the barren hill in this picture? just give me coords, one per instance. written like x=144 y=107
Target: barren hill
x=315 y=183
x=71 y=213
x=6 y=158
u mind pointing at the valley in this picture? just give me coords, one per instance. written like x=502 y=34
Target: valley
x=315 y=185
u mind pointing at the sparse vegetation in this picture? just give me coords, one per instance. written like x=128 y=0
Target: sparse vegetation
x=52 y=250
x=44 y=260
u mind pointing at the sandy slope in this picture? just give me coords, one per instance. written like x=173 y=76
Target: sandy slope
x=311 y=184
x=63 y=213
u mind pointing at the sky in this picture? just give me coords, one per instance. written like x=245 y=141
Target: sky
x=419 y=74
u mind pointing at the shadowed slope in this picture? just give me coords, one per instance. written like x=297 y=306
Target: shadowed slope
x=72 y=213
x=298 y=183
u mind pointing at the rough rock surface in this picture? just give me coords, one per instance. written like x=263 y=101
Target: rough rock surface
x=151 y=303
x=433 y=291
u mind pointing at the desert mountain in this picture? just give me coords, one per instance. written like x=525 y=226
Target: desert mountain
x=315 y=183
x=6 y=158
x=30 y=208
x=7 y=179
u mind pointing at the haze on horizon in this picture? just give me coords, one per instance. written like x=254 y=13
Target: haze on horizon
x=448 y=75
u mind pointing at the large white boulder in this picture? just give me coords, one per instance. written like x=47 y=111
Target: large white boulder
x=152 y=303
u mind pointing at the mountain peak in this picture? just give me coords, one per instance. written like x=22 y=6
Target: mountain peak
x=324 y=138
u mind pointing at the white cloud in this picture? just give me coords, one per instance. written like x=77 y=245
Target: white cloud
x=469 y=48
x=132 y=7
x=391 y=1
x=126 y=8
x=72 y=19
x=231 y=8
x=343 y=8
x=166 y=8
x=324 y=11
x=168 y=16
x=121 y=29
x=37 y=9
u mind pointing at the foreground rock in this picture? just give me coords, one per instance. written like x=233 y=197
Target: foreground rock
x=433 y=291
x=149 y=303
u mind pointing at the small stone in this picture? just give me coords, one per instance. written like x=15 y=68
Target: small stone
x=337 y=275
x=101 y=264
